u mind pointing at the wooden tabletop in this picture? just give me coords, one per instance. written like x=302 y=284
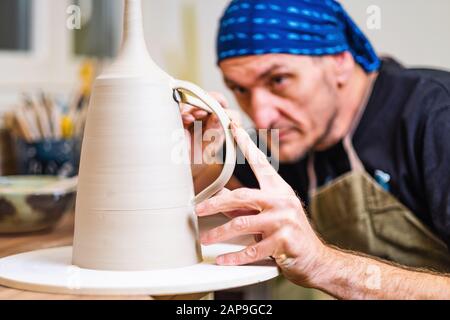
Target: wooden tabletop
x=62 y=235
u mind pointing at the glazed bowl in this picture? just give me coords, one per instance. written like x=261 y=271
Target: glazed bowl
x=34 y=203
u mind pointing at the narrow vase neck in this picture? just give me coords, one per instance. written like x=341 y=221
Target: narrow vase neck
x=134 y=58
x=133 y=30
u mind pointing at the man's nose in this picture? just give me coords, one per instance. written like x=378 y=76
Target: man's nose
x=263 y=110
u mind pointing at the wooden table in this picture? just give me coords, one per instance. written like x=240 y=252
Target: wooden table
x=62 y=235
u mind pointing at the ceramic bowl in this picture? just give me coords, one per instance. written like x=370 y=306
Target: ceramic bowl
x=33 y=203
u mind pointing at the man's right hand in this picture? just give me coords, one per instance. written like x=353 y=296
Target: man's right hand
x=198 y=122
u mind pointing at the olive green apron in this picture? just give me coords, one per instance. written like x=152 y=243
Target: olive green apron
x=354 y=212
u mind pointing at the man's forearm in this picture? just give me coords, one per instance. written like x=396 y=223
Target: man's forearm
x=350 y=276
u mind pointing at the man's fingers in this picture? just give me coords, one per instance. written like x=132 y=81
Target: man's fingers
x=212 y=123
x=193 y=111
x=187 y=118
x=223 y=192
x=240 y=212
x=186 y=108
x=234 y=115
x=263 y=170
x=245 y=225
x=199 y=113
x=252 y=253
x=235 y=200
x=220 y=98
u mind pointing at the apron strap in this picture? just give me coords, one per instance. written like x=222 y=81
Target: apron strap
x=312 y=178
x=356 y=164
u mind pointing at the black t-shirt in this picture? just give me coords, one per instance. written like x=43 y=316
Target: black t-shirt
x=403 y=141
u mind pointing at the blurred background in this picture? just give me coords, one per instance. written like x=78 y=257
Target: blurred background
x=47 y=64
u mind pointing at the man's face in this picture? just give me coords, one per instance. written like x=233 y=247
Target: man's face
x=293 y=94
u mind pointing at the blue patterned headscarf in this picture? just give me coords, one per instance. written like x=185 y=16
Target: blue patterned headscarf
x=303 y=27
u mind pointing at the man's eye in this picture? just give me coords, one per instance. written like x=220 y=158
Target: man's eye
x=239 y=90
x=278 y=80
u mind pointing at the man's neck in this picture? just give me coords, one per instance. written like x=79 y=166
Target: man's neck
x=352 y=100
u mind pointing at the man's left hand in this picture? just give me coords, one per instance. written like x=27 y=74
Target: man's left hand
x=273 y=212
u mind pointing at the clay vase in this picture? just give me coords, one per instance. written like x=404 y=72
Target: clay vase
x=135 y=201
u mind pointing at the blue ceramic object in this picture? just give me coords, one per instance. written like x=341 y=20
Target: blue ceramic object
x=48 y=157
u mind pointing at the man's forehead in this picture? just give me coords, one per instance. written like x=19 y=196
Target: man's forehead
x=253 y=61
x=252 y=68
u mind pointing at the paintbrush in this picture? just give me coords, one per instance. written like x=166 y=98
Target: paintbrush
x=30 y=117
x=47 y=106
x=42 y=118
x=81 y=122
x=54 y=115
x=23 y=125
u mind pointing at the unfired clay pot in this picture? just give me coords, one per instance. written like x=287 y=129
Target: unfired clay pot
x=135 y=202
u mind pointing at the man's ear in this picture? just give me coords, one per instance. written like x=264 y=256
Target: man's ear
x=344 y=66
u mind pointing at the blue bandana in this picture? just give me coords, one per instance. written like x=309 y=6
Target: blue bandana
x=303 y=27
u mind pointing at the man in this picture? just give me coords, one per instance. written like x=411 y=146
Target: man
x=363 y=142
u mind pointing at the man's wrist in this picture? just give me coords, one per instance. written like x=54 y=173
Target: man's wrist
x=348 y=275
x=323 y=268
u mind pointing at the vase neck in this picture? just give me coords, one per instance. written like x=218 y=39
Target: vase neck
x=134 y=58
x=133 y=42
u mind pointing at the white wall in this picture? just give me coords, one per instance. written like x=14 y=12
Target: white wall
x=181 y=38
x=50 y=66
x=415 y=31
